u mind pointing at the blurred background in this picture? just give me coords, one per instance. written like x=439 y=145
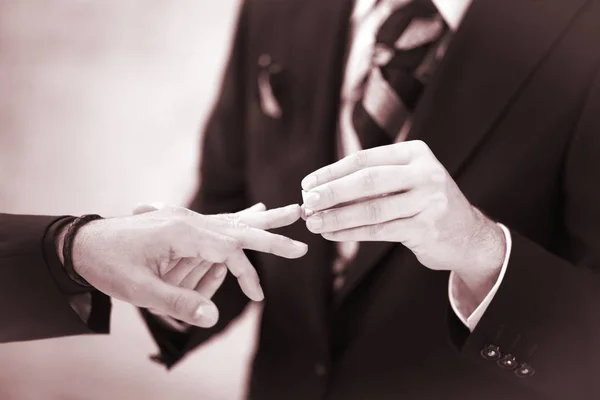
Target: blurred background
x=101 y=107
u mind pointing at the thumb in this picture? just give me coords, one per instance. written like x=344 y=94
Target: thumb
x=182 y=304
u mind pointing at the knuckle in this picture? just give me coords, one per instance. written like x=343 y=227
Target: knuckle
x=179 y=303
x=438 y=175
x=441 y=202
x=232 y=224
x=331 y=193
x=231 y=216
x=400 y=174
x=375 y=230
x=359 y=159
x=231 y=244
x=420 y=146
x=241 y=226
x=328 y=173
x=373 y=210
x=369 y=180
x=399 y=150
x=333 y=218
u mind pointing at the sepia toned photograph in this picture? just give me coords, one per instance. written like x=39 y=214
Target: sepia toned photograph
x=299 y=200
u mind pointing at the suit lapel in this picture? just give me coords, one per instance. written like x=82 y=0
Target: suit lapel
x=497 y=47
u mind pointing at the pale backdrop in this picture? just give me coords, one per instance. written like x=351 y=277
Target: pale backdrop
x=101 y=104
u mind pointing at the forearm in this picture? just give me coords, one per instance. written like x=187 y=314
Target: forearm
x=34 y=305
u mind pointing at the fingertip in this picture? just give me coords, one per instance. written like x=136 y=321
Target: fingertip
x=295 y=210
x=251 y=287
x=300 y=249
x=206 y=315
x=305 y=213
x=309 y=182
x=259 y=297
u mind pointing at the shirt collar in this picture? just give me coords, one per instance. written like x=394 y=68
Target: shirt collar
x=452 y=11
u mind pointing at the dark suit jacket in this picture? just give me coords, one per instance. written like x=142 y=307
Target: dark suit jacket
x=512 y=113
x=34 y=288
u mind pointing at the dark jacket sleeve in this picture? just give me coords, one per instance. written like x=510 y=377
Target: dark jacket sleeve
x=546 y=313
x=222 y=189
x=34 y=289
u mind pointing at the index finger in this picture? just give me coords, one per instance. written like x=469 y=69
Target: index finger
x=393 y=154
x=271 y=219
x=251 y=238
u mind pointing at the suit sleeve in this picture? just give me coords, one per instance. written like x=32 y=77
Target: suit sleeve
x=34 y=289
x=222 y=189
x=542 y=328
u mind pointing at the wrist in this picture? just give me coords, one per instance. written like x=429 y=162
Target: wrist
x=487 y=251
x=72 y=244
x=81 y=246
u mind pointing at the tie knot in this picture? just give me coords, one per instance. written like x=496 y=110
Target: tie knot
x=410 y=19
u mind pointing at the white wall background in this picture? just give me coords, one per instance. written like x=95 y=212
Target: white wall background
x=101 y=105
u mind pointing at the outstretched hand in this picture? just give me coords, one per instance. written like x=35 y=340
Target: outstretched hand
x=173 y=260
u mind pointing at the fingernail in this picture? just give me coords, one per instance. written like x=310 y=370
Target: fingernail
x=299 y=244
x=206 y=312
x=293 y=206
x=309 y=182
x=314 y=223
x=305 y=213
x=311 y=199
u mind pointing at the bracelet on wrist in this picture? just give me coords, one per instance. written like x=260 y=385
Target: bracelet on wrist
x=69 y=241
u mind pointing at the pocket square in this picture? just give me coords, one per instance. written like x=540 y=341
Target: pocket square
x=268 y=101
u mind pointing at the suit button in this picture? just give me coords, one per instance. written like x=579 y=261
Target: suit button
x=491 y=352
x=320 y=369
x=508 y=362
x=524 y=371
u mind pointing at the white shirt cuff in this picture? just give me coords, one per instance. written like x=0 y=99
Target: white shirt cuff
x=455 y=301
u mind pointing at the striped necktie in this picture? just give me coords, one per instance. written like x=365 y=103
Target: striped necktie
x=407 y=47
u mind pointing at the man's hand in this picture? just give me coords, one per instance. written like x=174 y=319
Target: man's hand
x=207 y=277
x=401 y=193
x=160 y=259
